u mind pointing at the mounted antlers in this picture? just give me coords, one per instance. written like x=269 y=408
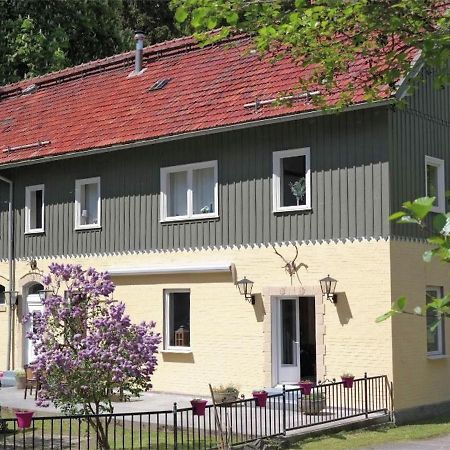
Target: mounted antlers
x=291 y=267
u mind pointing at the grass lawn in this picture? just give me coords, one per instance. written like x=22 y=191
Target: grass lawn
x=380 y=435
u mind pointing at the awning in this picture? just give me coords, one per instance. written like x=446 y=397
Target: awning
x=168 y=269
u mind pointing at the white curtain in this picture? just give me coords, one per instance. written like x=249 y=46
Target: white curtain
x=203 y=190
x=177 y=197
x=89 y=204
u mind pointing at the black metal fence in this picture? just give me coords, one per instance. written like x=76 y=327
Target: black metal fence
x=178 y=429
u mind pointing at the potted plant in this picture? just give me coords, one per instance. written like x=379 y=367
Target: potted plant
x=306 y=386
x=225 y=394
x=21 y=378
x=198 y=406
x=260 y=398
x=347 y=380
x=313 y=403
x=298 y=189
x=24 y=418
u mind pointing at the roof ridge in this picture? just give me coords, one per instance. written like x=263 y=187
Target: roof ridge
x=160 y=49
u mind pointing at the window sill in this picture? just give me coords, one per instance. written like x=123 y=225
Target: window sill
x=177 y=350
x=292 y=209
x=31 y=232
x=2 y=308
x=87 y=227
x=189 y=218
x=437 y=356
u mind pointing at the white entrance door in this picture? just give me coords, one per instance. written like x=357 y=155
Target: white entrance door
x=287 y=341
x=34 y=305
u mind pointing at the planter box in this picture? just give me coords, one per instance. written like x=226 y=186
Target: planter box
x=21 y=381
x=309 y=406
x=224 y=397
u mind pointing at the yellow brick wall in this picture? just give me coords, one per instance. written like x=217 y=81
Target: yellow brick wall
x=419 y=380
x=231 y=339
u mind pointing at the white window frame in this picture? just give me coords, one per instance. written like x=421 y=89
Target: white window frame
x=166 y=331
x=440 y=328
x=440 y=198
x=78 y=184
x=28 y=191
x=189 y=168
x=276 y=179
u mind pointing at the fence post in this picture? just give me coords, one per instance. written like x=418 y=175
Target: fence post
x=284 y=409
x=366 y=396
x=175 y=426
x=391 y=402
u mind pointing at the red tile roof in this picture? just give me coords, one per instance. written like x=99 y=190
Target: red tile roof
x=96 y=104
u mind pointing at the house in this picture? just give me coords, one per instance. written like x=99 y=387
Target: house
x=184 y=175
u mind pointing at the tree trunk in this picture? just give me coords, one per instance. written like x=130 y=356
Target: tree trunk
x=101 y=430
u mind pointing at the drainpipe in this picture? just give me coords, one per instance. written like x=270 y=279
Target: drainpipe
x=9 y=363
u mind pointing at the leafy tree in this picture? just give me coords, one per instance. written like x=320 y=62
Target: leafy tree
x=43 y=36
x=153 y=17
x=329 y=35
x=87 y=347
x=437 y=229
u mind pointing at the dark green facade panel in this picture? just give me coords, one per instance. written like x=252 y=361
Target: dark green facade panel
x=349 y=175
x=420 y=129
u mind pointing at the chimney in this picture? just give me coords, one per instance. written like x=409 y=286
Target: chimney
x=139 y=38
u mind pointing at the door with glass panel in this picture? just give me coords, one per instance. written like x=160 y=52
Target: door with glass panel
x=288 y=333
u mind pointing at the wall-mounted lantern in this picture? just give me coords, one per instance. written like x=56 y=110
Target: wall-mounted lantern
x=328 y=286
x=11 y=298
x=245 y=287
x=44 y=293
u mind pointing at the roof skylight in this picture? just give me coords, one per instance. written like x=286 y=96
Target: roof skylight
x=159 y=84
x=30 y=89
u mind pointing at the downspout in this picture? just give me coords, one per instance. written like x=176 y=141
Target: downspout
x=10 y=363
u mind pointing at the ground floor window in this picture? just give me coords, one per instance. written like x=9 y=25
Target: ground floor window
x=435 y=334
x=177 y=319
x=2 y=295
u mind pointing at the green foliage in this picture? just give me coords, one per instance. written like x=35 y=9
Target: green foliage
x=38 y=37
x=397 y=307
x=437 y=229
x=330 y=34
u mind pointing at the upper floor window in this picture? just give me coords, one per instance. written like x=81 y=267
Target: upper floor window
x=435 y=333
x=435 y=182
x=291 y=180
x=34 y=209
x=177 y=320
x=87 y=203
x=189 y=191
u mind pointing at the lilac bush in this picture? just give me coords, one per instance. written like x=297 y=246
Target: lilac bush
x=86 y=346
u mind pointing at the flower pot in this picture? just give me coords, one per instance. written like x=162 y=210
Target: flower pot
x=306 y=387
x=312 y=406
x=260 y=398
x=348 y=382
x=198 y=407
x=24 y=418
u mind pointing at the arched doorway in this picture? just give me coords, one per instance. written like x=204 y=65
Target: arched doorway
x=32 y=305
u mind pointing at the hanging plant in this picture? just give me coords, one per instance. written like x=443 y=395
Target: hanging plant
x=298 y=189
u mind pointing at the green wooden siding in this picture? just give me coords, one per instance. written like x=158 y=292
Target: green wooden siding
x=420 y=129
x=350 y=190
